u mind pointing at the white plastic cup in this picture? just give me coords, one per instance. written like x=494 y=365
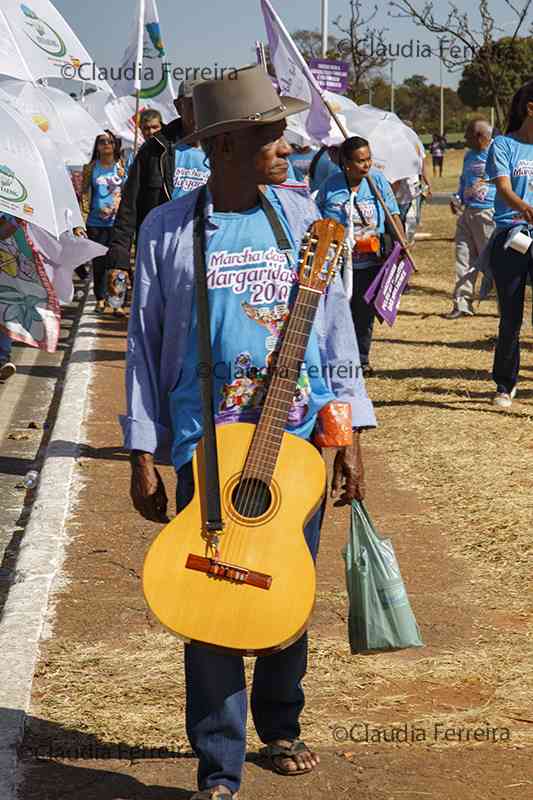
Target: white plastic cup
x=518 y=240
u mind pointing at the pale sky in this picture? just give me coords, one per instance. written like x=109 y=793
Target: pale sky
x=205 y=33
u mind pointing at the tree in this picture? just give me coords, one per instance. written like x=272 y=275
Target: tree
x=359 y=33
x=419 y=102
x=465 y=44
x=309 y=43
x=515 y=60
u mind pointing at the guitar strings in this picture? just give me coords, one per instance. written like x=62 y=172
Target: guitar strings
x=255 y=487
x=292 y=342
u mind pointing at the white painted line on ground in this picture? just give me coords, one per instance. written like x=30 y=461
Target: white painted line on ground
x=39 y=562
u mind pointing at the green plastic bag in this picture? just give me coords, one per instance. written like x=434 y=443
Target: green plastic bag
x=380 y=616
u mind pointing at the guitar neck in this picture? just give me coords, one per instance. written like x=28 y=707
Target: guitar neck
x=285 y=372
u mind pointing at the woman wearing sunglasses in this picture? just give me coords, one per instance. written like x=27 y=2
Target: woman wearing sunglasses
x=103 y=181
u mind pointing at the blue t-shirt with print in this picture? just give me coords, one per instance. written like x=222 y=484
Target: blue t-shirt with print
x=475 y=188
x=324 y=169
x=333 y=201
x=250 y=285
x=191 y=170
x=507 y=156
x=107 y=185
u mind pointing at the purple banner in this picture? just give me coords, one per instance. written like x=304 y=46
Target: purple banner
x=331 y=75
x=294 y=76
x=387 y=287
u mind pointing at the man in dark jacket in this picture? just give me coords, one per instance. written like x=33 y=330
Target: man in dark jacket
x=151 y=178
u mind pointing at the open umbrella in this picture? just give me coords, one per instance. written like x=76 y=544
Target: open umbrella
x=64 y=120
x=36 y=42
x=34 y=183
x=395 y=148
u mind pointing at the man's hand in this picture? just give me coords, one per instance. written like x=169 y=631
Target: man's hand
x=349 y=473
x=80 y=233
x=147 y=489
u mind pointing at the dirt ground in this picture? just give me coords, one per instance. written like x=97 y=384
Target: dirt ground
x=448 y=480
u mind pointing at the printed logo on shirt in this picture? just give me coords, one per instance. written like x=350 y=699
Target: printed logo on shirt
x=477 y=168
x=189 y=178
x=367 y=209
x=266 y=274
x=477 y=191
x=523 y=168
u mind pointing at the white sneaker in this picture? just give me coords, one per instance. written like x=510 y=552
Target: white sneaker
x=7 y=369
x=503 y=399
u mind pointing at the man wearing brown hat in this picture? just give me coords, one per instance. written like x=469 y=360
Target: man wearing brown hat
x=252 y=233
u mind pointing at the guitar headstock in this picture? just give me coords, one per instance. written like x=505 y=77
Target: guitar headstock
x=321 y=251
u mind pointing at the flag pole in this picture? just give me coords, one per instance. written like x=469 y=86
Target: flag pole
x=137 y=107
x=138 y=73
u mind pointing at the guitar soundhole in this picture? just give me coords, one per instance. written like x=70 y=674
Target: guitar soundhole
x=251 y=498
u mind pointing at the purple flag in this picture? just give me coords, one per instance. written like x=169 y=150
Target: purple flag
x=294 y=76
x=387 y=287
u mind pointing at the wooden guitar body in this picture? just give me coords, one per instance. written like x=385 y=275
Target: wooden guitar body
x=223 y=610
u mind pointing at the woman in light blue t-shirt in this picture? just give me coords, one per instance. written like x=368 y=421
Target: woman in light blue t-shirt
x=510 y=166
x=348 y=197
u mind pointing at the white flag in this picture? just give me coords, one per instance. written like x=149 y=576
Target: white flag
x=36 y=42
x=144 y=65
x=294 y=76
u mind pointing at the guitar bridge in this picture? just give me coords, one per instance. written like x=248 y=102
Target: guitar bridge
x=228 y=572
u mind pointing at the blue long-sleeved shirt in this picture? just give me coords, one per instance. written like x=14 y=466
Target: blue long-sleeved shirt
x=161 y=317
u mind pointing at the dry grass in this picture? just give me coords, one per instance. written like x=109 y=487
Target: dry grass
x=453 y=161
x=470 y=467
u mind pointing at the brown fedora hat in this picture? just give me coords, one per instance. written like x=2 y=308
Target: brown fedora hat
x=241 y=99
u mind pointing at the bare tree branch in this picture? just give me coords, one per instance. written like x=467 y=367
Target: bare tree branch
x=481 y=44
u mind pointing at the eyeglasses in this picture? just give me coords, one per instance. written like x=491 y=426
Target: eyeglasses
x=104 y=141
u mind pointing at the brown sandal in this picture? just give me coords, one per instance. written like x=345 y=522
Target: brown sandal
x=277 y=751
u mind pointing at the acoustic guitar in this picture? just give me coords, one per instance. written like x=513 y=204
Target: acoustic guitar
x=250 y=588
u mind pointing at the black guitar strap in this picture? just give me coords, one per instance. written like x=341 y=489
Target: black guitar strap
x=205 y=365
x=205 y=371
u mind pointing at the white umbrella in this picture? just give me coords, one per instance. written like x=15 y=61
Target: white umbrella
x=34 y=183
x=36 y=42
x=395 y=148
x=64 y=120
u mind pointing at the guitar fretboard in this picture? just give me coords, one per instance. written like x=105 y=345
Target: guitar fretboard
x=285 y=371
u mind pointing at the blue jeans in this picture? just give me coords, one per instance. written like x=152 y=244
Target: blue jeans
x=216 y=706
x=5 y=347
x=510 y=270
